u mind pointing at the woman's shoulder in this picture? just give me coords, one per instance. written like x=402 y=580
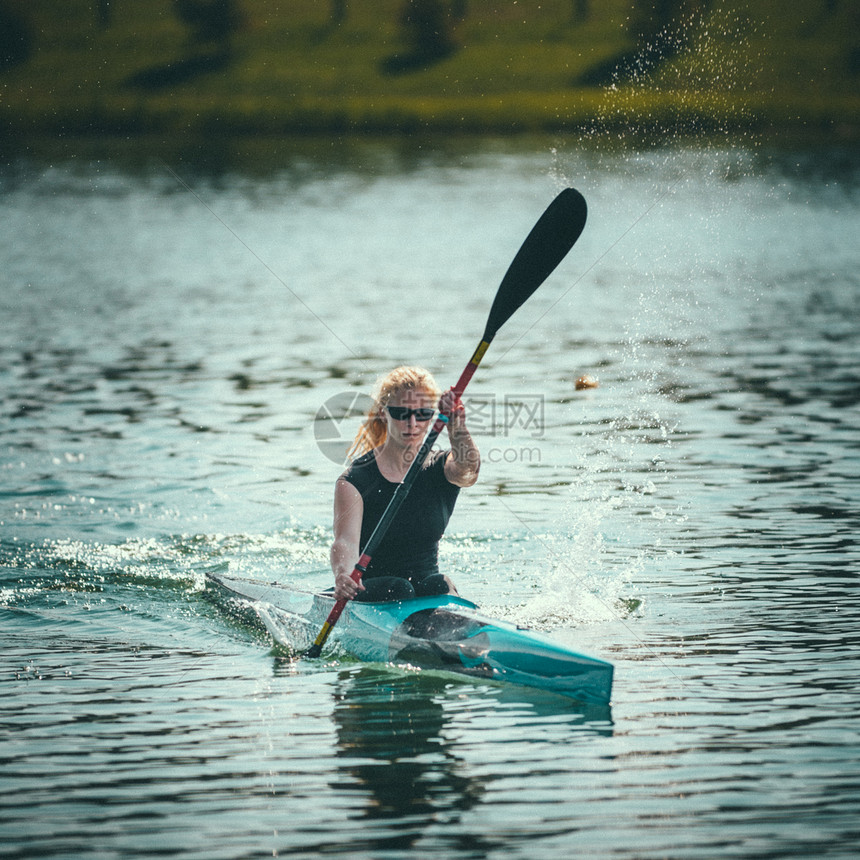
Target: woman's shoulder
x=435 y=461
x=360 y=467
x=363 y=460
x=435 y=457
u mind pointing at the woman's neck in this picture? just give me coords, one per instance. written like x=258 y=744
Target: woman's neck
x=394 y=460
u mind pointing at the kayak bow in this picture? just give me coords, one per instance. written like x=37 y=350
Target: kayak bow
x=444 y=632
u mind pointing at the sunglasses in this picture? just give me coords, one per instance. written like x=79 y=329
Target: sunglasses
x=402 y=413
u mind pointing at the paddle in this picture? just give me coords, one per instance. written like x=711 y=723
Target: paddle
x=544 y=248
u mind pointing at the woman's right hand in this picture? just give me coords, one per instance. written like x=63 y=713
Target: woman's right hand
x=345 y=587
x=348 y=511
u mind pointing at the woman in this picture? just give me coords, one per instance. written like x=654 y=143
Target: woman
x=405 y=563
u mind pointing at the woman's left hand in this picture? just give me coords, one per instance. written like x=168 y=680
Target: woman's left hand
x=464 y=461
x=451 y=405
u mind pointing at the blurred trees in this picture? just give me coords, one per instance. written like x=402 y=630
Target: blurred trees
x=581 y=10
x=338 y=12
x=660 y=25
x=210 y=22
x=459 y=9
x=16 y=33
x=660 y=29
x=427 y=27
x=104 y=12
x=211 y=26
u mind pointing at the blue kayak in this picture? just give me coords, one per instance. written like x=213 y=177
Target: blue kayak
x=445 y=632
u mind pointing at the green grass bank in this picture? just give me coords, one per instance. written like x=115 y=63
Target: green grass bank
x=126 y=67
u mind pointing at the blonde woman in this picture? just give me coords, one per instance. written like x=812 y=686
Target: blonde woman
x=405 y=564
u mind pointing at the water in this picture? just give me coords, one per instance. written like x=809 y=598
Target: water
x=171 y=326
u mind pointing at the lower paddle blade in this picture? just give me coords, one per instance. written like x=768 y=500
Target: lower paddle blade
x=544 y=248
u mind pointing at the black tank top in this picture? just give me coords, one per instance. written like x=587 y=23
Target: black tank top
x=410 y=547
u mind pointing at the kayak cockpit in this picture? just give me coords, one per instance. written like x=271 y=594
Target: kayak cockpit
x=439 y=638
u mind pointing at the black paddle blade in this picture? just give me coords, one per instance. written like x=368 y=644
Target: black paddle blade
x=544 y=248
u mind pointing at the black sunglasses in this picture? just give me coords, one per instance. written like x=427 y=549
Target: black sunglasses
x=402 y=413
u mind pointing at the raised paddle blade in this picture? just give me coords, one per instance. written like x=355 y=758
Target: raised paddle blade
x=544 y=248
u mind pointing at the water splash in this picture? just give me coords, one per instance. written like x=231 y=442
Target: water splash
x=689 y=82
x=690 y=78
x=182 y=561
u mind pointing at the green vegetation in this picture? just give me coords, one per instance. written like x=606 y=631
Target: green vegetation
x=501 y=66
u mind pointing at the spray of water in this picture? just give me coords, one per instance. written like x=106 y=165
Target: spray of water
x=676 y=106
x=691 y=79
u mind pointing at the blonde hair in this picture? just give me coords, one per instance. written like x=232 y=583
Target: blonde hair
x=374 y=429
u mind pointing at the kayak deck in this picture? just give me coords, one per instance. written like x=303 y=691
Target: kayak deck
x=445 y=632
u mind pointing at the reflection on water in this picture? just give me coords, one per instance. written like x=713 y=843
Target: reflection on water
x=405 y=742
x=171 y=321
x=390 y=736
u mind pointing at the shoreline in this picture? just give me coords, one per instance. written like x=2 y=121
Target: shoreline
x=649 y=118
x=509 y=69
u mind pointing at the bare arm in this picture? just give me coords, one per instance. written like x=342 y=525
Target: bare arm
x=348 y=512
x=464 y=461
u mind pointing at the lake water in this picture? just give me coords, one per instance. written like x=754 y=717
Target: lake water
x=171 y=324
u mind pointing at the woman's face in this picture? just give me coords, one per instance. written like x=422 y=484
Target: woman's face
x=409 y=431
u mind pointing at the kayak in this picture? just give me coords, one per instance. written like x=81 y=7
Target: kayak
x=445 y=632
